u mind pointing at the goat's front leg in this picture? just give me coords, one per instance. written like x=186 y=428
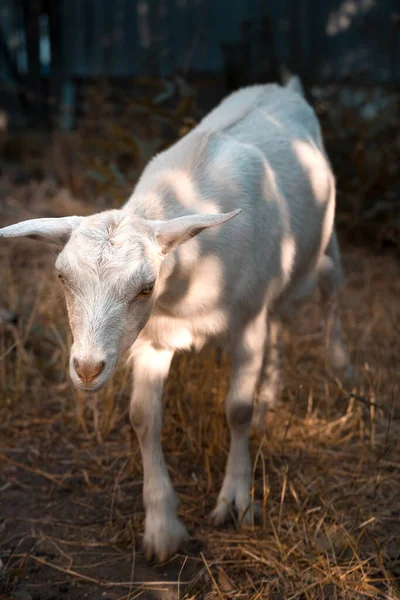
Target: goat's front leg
x=247 y=359
x=164 y=532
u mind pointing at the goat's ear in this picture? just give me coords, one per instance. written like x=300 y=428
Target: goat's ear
x=176 y=231
x=56 y=231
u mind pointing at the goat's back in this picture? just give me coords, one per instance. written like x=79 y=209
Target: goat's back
x=239 y=114
x=259 y=150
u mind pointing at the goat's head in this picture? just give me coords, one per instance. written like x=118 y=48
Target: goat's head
x=109 y=265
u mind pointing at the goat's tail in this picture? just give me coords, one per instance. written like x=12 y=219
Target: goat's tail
x=295 y=85
x=290 y=81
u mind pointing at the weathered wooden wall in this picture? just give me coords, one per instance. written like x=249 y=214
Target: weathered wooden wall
x=323 y=40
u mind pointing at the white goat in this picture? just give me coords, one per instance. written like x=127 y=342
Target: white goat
x=131 y=283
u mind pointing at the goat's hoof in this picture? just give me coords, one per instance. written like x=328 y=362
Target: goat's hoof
x=345 y=374
x=246 y=516
x=220 y=513
x=163 y=536
x=339 y=364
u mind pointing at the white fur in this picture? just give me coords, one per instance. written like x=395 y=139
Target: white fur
x=261 y=151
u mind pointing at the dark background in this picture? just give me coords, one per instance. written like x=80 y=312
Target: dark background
x=153 y=68
x=49 y=48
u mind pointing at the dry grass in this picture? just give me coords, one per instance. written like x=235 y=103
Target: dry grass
x=326 y=470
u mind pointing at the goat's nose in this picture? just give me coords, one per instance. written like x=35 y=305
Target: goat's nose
x=88 y=371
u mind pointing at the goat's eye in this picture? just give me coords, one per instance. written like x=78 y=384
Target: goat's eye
x=146 y=290
x=61 y=277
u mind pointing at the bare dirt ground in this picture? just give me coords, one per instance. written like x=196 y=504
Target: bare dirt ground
x=326 y=469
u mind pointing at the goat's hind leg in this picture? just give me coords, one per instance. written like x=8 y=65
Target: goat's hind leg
x=270 y=384
x=247 y=359
x=330 y=277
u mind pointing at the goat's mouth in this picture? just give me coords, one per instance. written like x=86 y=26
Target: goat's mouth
x=91 y=388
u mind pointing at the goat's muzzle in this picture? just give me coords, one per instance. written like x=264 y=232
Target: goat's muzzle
x=88 y=371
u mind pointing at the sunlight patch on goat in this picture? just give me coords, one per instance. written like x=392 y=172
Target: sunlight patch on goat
x=224 y=171
x=309 y=156
x=182 y=184
x=288 y=254
x=207 y=286
x=327 y=222
x=169 y=332
x=271 y=192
